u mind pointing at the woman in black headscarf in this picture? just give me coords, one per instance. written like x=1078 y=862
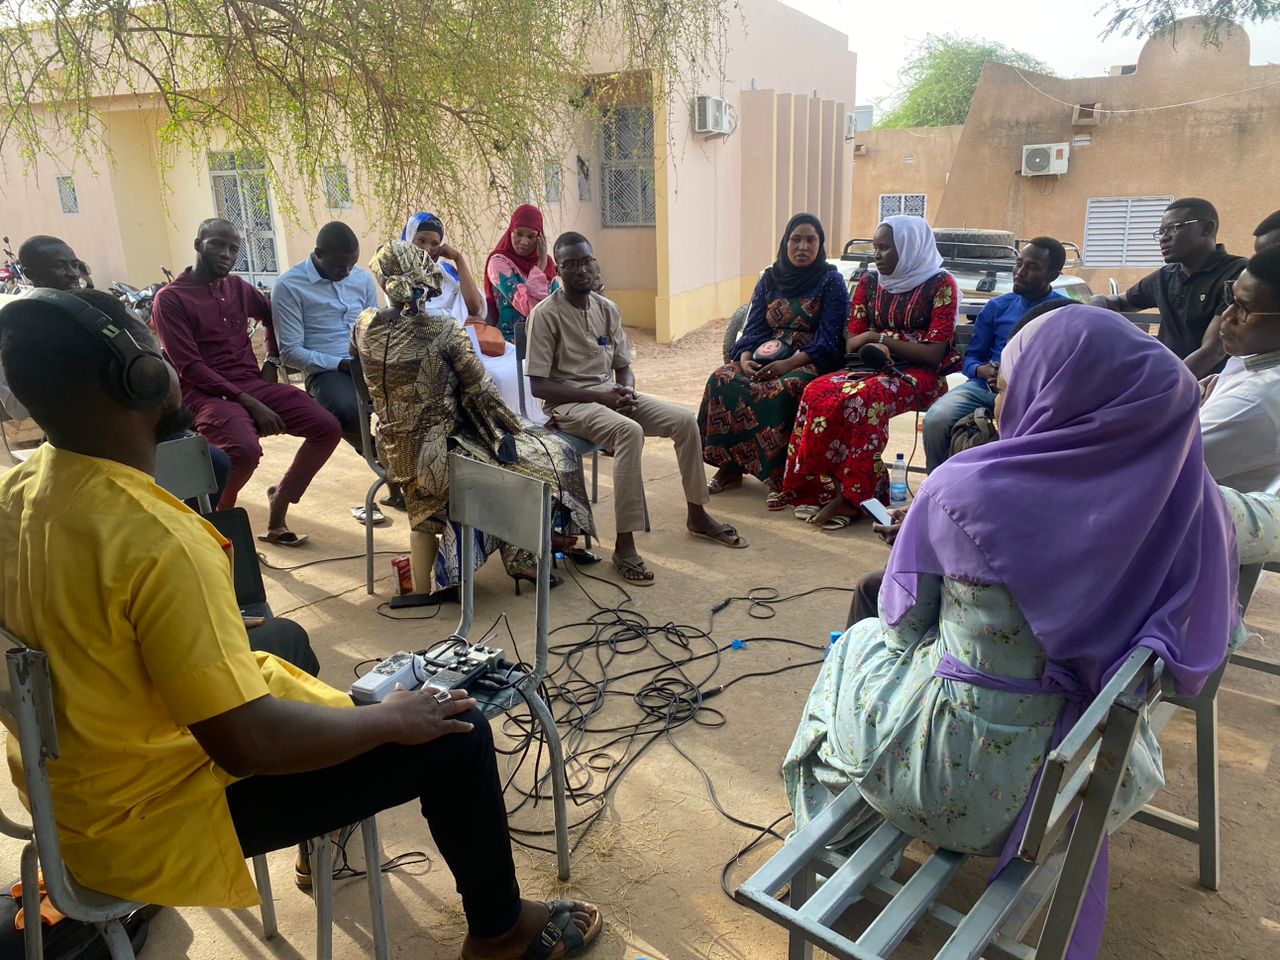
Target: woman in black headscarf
x=794 y=332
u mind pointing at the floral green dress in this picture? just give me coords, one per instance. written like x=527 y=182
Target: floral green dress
x=946 y=761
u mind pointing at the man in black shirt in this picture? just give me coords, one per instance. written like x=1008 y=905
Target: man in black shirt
x=1188 y=289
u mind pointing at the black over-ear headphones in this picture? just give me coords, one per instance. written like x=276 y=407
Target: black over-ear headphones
x=135 y=377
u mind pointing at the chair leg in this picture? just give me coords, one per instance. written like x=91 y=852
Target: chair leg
x=33 y=936
x=322 y=887
x=118 y=944
x=368 y=535
x=1206 y=714
x=262 y=877
x=549 y=732
x=595 y=476
x=645 y=501
x=802 y=887
x=377 y=906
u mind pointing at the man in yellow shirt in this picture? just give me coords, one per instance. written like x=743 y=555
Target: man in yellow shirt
x=183 y=752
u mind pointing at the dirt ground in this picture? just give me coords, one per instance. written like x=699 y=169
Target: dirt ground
x=654 y=860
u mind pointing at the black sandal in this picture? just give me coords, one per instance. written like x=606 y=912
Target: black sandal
x=583 y=558
x=562 y=928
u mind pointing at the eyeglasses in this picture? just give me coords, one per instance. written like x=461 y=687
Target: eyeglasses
x=1229 y=299
x=1164 y=231
x=583 y=264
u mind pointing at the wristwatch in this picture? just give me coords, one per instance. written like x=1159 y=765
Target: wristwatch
x=884 y=337
x=275 y=361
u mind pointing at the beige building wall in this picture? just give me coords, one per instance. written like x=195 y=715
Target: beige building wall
x=900 y=161
x=721 y=201
x=1215 y=135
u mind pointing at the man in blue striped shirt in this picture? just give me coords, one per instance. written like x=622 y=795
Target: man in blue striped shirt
x=1037 y=266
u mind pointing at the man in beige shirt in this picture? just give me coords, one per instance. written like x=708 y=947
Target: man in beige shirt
x=579 y=366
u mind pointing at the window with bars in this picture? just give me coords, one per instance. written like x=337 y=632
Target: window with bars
x=1118 y=231
x=627 y=185
x=903 y=204
x=67 y=195
x=552 y=181
x=337 y=187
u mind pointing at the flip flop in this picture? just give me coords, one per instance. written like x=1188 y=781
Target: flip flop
x=716 y=485
x=357 y=514
x=774 y=501
x=806 y=510
x=633 y=565
x=583 y=558
x=838 y=522
x=396 y=501
x=726 y=537
x=283 y=538
x=561 y=928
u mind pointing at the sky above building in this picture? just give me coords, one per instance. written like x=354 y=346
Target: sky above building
x=1066 y=37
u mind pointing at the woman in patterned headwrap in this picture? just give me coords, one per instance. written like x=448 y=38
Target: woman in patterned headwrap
x=432 y=396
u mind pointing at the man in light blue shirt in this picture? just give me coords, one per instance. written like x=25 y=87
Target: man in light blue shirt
x=1037 y=266
x=315 y=305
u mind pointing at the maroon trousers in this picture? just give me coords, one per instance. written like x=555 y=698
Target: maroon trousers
x=227 y=424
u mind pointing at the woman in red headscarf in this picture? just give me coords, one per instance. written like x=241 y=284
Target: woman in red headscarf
x=520 y=272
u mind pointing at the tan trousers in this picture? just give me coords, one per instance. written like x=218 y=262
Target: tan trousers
x=625 y=437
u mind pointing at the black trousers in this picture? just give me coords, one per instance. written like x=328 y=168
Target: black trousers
x=456 y=780
x=335 y=391
x=866 y=598
x=288 y=641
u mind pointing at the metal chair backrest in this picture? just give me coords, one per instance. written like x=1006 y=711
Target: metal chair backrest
x=184 y=468
x=522 y=343
x=365 y=400
x=516 y=510
x=28 y=712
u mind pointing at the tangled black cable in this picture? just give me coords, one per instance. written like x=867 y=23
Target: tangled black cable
x=583 y=678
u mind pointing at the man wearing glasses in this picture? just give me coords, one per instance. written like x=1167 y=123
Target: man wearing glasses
x=1188 y=289
x=1240 y=413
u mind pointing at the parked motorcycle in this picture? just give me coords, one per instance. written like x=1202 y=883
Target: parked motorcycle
x=140 y=301
x=12 y=277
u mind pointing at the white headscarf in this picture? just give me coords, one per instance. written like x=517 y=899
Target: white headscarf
x=918 y=257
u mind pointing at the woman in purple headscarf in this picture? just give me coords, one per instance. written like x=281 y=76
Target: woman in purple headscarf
x=1092 y=527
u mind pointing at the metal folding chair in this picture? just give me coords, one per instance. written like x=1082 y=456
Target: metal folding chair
x=517 y=510
x=26 y=708
x=365 y=405
x=184 y=469
x=1065 y=828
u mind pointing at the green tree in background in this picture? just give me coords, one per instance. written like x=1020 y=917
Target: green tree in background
x=439 y=101
x=938 y=81
x=1145 y=17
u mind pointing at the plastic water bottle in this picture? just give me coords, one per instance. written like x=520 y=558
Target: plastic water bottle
x=898 y=482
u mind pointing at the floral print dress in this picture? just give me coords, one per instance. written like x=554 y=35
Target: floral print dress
x=843 y=421
x=946 y=761
x=747 y=423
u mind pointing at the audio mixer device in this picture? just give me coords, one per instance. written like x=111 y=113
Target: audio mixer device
x=448 y=666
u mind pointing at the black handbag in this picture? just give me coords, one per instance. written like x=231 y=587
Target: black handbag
x=779 y=348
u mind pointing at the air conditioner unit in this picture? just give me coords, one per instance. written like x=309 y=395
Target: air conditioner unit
x=1043 y=159
x=711 y=116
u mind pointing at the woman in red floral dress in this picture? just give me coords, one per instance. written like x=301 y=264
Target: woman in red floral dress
x=908 y=310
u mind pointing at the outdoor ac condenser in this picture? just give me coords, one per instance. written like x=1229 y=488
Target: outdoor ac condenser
x=711 y=116
x=1043 y=159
